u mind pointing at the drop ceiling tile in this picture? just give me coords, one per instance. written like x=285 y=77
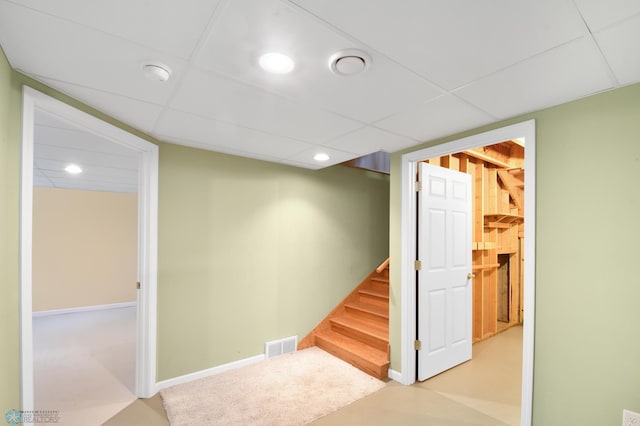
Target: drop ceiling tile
x=249 y=28
x=440 y=117
x=619 y=45
x=232 y=102
x=83 y=157
x=449 y=42
x=93 y=176
x=54 y=171
x=76 y=139
x=175 y=27
x=566 y=73
x=138 y=114
x=187 y=129
x=305 y=158
x=42 y=182
x=87 y=185
x=369 y=139
x=50 y=48
x=44 y=119
x=599 y=14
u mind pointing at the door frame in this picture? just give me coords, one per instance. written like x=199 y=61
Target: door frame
x=408 y=221
x=33 y=100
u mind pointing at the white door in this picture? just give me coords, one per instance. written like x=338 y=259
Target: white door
x=444 y=288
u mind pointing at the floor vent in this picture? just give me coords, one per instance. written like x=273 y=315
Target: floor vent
x=280 y=347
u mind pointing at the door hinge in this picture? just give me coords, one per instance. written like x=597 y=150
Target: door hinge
x=138 y=285
x=418 y=186
x=417 y=345
x=417 y=265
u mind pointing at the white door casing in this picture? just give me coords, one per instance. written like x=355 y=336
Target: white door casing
x=147 y=238
x=444 y=287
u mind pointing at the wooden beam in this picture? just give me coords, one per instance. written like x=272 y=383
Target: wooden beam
x=488 y=159
x=517 y=142
x=497 y=225
x=511 y=184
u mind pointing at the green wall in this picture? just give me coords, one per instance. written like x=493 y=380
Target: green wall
x=253 y=251
x=9 y=268
x=587 y=345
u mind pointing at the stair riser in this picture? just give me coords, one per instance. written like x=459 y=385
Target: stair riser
x=367 y=316
x=373 y=341
x=374 y=300
x=379 y=285
x=380 y=372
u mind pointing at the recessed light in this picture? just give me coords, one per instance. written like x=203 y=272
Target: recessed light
x=321 y=156
x=156 y=72
x=73 y=169
x=277 y=63
x=349 y=62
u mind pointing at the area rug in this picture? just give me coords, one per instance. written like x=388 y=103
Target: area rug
x=292 y=389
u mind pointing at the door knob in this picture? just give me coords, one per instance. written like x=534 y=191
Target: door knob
x=471 y=276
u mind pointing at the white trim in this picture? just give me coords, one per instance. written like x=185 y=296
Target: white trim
x=84 y=309
x=209 y=372
x=407 y=240
x=26 y=221
x=147 y=238
x=395 y=375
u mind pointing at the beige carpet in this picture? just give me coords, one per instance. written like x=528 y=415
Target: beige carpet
x=292 y=389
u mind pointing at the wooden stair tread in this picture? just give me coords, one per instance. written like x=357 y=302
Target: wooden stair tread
x=380 y=279
x=375 y=292
x=359 y=349
x=377 y=330
x=382 y=312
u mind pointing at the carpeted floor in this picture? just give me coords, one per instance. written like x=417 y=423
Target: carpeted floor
x=289 y=390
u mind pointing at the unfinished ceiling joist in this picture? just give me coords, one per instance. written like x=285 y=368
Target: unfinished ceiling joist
x=488 y=159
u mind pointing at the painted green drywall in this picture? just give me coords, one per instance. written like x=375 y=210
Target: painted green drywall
x=587 y=345
x=253 y=251
x=9 y=268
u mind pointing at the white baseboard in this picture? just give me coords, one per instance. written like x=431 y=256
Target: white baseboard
x=209 y=372
x=84 y=309
x=395 y=375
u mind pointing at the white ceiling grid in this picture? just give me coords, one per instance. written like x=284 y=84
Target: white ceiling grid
x=437 y=67
x=106 y=166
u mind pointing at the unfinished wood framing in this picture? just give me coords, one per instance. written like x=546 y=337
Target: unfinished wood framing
x=498 y=228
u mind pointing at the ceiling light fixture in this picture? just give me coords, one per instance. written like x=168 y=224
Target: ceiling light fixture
x=321 y=156
x=156 y=72
x=276 y=63
x=73 y=169
x=349 y=62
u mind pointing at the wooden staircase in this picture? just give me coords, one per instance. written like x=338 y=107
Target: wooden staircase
x=357 y=330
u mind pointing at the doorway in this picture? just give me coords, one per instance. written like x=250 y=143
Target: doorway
x=84 y=272
x=408 y=221
x=33 y=101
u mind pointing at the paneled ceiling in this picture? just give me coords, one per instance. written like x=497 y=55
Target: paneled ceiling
x=436 y=66
x=106 y=166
